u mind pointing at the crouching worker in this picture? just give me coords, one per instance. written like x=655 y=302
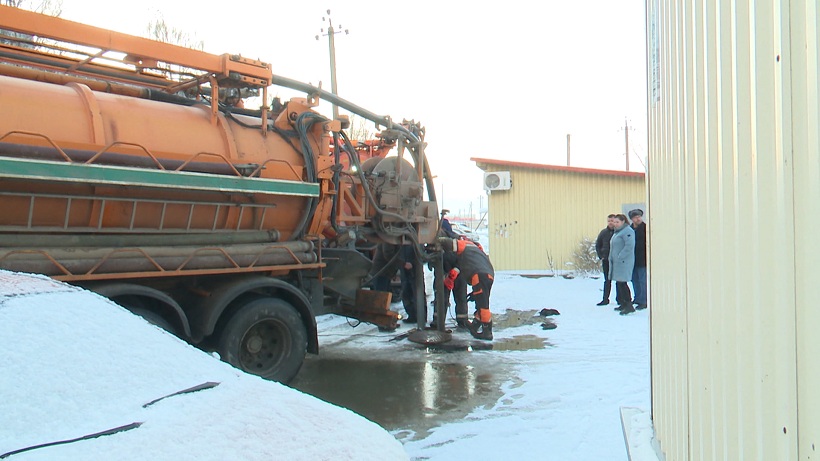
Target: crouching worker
x=473 y=266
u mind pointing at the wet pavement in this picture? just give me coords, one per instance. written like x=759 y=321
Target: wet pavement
x=409 y=388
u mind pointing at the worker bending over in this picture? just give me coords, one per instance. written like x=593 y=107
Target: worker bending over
x=471 y=264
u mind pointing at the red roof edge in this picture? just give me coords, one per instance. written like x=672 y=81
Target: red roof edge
x=570 y=169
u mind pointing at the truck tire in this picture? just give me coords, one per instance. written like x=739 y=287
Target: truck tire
x=136 y=306
x=265 y=337
x=154 y=319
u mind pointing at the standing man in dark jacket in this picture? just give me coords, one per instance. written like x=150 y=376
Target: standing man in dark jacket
x=446 y=227
x=408 y=270
x=386 y=264
x=602 y=250
x=639 y=272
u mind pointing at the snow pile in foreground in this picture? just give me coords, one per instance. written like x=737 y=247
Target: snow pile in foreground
x=76 y=364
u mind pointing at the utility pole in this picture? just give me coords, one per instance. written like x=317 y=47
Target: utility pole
x=442 y=195
x=626 y=137
x=330 y=34
x=568 y=149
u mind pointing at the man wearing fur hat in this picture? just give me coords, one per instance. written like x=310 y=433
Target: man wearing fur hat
x=473 y=266
x=639 y=271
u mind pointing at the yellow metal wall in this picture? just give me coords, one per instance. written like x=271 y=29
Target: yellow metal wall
x=734 y=187
x=548 y=213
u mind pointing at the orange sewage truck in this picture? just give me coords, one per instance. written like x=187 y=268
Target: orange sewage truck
x=132 y=168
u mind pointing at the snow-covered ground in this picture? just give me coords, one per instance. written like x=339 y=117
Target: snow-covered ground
x=73 y=364
x=562 y=402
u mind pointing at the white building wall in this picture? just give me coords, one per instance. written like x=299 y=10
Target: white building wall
x=734 y=187
x=540 y=222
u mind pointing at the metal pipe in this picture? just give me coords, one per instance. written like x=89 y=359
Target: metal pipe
x=333 y=99
x=420 y=295
x=109 y=158
x=62 y=79
x=168 y=251
x=134 y=262
x=82 y=261
x=438 y=288
x=380 y=120
x=135 y=240
x=68 y=65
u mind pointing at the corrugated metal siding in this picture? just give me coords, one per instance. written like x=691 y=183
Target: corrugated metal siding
x=733 y=204
x=805 y=125
x=549 y=212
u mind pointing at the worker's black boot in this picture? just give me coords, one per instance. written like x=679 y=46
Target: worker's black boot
x=473 y=325
x=481 y=330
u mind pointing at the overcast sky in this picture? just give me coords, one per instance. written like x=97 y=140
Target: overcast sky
x=506 y=81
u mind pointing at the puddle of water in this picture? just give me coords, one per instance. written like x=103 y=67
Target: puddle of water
x=400 y=394
x=418 y=387
x=514 y=318
x=521 y=343
x=515 y=343
x=535 y=276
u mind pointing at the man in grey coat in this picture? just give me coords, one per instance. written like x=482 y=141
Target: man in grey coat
x=622 y=262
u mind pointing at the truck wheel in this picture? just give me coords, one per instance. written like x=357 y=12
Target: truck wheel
x=265 y=337
x=154 y=319
x=137 y=307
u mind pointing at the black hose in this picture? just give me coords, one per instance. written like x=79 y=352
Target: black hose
x=229 y=115
x=334 y=209
x=161 y=96
x=367 y=189
x=286 y=135
x=303 y=124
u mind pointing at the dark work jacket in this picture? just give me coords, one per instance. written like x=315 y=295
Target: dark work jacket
x=470 y=260
x=640 y=245
x=407 y=255
x=602 y=243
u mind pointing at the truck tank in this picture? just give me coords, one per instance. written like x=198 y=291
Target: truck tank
x=135 y=133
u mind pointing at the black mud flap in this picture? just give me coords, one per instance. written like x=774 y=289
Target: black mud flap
x=345 y=269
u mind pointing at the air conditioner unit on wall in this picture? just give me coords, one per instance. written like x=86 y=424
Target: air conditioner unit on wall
x=497 y=180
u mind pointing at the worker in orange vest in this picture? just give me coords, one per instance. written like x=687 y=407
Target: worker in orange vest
x=474 y=266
